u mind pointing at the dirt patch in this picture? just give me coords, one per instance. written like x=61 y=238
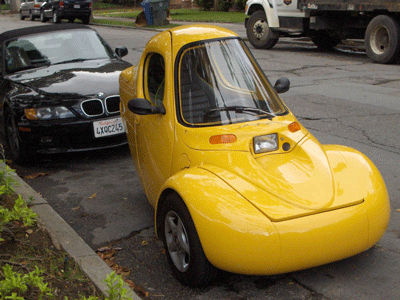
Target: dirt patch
x=24 y=248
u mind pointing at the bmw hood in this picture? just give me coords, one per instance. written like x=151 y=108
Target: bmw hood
x=72 y=80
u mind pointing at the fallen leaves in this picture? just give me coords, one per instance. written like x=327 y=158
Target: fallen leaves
x=107 y=254
x=93 y=196
x=36 y=175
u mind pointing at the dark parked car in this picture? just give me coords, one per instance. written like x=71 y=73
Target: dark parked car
x=66 y=9
x=30 y=8
x=59 y=90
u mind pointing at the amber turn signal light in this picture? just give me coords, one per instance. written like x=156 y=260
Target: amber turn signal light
x=293 y=127
x=223 y=139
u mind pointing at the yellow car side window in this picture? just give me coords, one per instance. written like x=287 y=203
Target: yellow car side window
x=154 y=78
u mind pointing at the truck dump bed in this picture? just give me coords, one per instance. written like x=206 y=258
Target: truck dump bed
x=355 y=5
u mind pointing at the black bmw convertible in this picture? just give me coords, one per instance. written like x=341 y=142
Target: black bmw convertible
x=59 y=90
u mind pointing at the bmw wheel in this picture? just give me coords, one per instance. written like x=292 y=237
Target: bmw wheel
x=17 y=151
x=259 y=33
x=184 y=251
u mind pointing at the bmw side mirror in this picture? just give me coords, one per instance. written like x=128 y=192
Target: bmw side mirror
x=141 y=106
x=121 y=51
x=282 y=85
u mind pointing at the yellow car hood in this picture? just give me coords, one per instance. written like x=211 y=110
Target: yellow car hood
x=281 y=184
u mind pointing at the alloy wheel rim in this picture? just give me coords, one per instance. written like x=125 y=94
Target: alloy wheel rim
x=177 y=241
x=12 y=135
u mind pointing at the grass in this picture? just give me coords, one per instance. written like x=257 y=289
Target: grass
x=194 y=15
x=206 y=16
x=125 y=23
x=113 y=22
x=4 y=7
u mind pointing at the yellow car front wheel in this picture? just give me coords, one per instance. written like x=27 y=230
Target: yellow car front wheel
x=184 y=251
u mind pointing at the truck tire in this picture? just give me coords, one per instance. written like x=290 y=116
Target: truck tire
x=324 y=40
x=382 y=40
x=259 y=33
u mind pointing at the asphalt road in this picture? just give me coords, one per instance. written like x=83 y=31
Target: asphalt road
x=340 y=96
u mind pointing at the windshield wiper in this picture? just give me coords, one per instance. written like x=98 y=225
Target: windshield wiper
x=23 y=68
x=241 y=109
x=70 y=61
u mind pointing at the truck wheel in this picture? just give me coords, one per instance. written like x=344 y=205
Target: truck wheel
x=324 y=40
x=382 y=40
x=259 y=33
x=184 y=251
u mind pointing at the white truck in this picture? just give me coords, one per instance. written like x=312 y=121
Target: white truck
x=327 y=22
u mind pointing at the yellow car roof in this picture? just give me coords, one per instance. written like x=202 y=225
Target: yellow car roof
x=186 y=34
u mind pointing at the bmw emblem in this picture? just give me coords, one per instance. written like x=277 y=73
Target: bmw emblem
x=101 y=95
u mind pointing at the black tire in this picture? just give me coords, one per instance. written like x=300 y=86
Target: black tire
x=85 y=20
x=184 y=251
x=259 y=33
x=56 y=18
x=31 y=17
x=42 y=17
x=21 y=17
x=17 y=152
x=324 y=40
x=382 y=40
x=71 y=20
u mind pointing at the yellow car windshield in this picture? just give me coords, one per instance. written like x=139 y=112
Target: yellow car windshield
x=220 y=83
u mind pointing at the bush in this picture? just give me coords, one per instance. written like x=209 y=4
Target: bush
x=224 y=5
x=241 y=4
x=205 y=4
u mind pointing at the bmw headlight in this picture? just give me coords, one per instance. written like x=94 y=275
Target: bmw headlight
x=265 y=143
x=48 y=113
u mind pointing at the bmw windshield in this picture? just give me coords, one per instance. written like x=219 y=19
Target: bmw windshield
x=220 y=83
x=56 y=47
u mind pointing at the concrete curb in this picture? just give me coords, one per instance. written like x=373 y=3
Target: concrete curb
x=64 y=237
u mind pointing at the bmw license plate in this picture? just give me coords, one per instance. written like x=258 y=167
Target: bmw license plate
x=77 y=6
x=108 y=127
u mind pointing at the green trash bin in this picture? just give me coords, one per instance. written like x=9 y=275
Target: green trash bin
x=159 y=10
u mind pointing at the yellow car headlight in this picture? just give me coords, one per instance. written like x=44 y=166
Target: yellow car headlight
x=265 y=143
